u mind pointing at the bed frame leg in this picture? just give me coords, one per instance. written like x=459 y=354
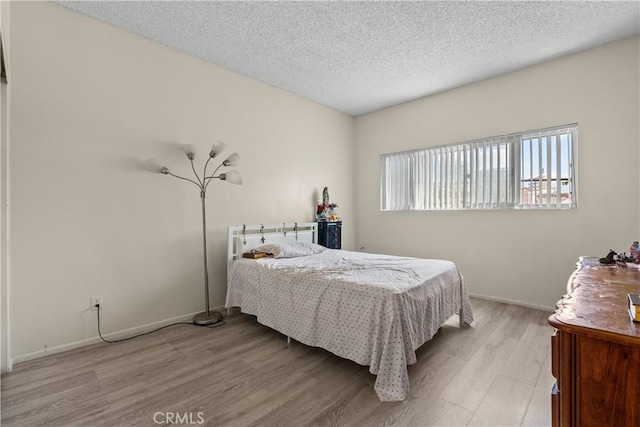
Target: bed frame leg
x=229 y=311
x=288 y=340
x=461 y=317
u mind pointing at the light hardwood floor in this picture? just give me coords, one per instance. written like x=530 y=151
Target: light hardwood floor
x=494 y=373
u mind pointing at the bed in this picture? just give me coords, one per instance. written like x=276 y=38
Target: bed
x=375 y=310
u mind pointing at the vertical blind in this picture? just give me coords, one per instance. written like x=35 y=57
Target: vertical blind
x=533 y=169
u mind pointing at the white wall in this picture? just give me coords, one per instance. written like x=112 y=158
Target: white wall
x=89 y=103
x=523 y=256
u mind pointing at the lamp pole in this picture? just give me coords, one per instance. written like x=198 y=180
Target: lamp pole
x=207 y=317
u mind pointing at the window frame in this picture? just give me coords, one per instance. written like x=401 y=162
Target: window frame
x=513 y=143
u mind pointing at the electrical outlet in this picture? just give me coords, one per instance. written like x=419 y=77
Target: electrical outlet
x=95 y=301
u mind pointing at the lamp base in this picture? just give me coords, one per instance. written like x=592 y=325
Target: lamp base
x=207 y=319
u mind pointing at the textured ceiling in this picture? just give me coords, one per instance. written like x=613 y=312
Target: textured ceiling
x=359 y=57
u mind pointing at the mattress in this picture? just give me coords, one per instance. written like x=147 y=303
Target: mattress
x=375 y=310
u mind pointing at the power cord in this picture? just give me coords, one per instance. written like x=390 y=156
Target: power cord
x=213 y=325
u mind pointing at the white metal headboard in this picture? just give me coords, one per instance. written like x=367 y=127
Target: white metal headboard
x=243 y=238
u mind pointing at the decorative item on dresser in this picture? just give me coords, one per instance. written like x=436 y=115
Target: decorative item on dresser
x=330 y=234
x=207 y=317
x=595 y=349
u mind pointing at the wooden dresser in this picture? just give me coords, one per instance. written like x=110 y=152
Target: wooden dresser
x=595 y=349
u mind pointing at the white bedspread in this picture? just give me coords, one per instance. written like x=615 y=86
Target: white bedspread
x=373 y=309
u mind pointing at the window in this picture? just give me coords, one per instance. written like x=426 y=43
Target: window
x=533 y=169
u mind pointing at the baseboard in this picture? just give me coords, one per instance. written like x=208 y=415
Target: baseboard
x=110 y=336
x=187 y=317
x=512 y=302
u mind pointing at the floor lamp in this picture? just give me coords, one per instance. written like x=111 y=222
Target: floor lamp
x=207 y=317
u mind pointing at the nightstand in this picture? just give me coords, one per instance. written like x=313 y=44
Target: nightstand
x=330 y=234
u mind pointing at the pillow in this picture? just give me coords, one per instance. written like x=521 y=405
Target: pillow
x=291 y=250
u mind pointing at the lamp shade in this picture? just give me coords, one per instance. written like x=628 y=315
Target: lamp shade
x=232 y=177
x=232 y=160
x=216 y=148
x=189 y=150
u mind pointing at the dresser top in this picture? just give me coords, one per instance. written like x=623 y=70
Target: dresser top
x=596 y=301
